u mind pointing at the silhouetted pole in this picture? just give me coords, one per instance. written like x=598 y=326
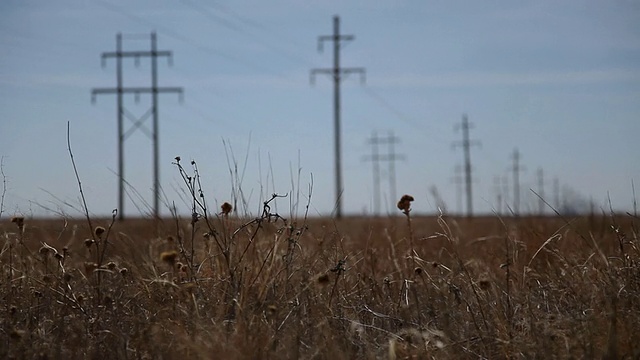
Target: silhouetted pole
x=556 y=193
x=375 y=158
x=337 y=73
x=516 y=168
x=119 y=90
x=391 y=157
x=540 y=175
x=466 y=145
x=497 y=188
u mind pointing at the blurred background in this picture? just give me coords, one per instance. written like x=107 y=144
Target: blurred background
x=557 y=81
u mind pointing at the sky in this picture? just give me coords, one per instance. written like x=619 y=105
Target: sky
x=557 y=80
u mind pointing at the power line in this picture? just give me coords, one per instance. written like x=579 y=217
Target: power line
x=177 y=36
x=154 y=90
x=466 y=146
x=337 y=72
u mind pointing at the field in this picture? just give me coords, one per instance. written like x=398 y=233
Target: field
x=402 y=287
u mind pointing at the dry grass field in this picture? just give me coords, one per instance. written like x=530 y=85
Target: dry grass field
x=403 y=287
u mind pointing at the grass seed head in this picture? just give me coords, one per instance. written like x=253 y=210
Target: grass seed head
x=19 y=221
x=99 y=231
x=226 y=208
x=169 y=256
x=323 y=279
x=405 y=203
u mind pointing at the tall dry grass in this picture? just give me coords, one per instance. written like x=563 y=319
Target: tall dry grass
x=222 y=285
x=266 y=287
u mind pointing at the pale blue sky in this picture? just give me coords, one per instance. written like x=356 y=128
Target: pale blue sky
x=558 y=80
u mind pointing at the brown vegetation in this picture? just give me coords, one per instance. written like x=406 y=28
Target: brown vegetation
x=398 y=288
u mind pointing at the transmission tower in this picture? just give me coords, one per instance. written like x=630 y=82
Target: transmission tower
x=516 y=168
x=556 y=193
x=120 y=90
x=336 y=72
x=466 y=146
x=391 y=158
x=540 y=176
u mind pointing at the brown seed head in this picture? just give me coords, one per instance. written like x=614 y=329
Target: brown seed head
x=418 y=270
x=226 y=208
x=99 y=231
x=18 y=220
x=124 y=271
x=405 y=203
x=169 y=256
x=112 y=265
x=484 y=283
x=88 y=242
x=323 y=279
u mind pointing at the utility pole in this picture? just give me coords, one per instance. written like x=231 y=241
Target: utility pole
x=497 y=189
x=556 y=193
x=336 y=72
x=540 y=176
x=516 y=168
x=120 y=90
x=466 y=145
x=376 y=157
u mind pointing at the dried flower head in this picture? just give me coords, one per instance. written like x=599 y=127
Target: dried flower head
x=99 y=231
x=226 y=208
x=88 y=242
x=323 y=279
x=418 y=270
x=124 y=271
x=169 y=256
x=405 y=203
x=18 y=220
x=485 y=283
x=112 y=265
